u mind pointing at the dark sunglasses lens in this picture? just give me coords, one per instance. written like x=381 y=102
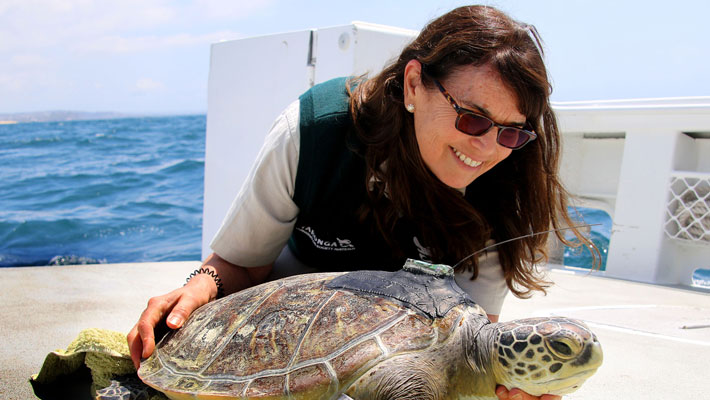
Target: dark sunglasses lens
x=473 y=124
x=512 y=138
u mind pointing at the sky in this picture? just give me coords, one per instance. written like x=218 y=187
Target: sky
x=152 y=56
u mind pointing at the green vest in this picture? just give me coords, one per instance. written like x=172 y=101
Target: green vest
x=330 y=188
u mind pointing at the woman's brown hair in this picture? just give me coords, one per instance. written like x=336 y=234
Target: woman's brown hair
x=521 y=195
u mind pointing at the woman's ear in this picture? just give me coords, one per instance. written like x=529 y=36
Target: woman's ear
x=412 y=81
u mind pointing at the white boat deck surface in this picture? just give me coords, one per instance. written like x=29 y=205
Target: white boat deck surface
x=648 y=354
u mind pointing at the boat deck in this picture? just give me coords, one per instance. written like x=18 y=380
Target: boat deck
x=656 y=339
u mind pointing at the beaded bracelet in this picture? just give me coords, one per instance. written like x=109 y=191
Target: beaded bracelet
x=213 y=274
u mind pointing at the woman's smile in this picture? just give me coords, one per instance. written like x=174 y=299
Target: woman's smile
x=466 y=160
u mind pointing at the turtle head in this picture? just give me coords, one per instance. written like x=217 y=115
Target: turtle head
x=544 y=355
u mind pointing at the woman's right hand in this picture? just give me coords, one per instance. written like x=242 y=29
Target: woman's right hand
x=176 y=305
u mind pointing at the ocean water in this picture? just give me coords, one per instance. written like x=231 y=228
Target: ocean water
x=701 y=278
x=599 y=232
x=118 y=190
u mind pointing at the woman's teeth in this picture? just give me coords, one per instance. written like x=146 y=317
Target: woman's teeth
x=466 y=160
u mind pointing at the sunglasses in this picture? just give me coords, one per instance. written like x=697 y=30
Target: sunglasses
x=475 y=124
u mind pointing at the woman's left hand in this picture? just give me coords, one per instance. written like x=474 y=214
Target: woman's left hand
x=517 y=394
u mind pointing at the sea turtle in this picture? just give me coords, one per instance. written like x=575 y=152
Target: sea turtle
x=410 y=334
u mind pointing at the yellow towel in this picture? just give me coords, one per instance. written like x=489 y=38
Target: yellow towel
x=90 y=362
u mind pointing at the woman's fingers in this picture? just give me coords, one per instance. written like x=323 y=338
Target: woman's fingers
x=151 y=316
x=141 y=339
x=517 y=394
x=177 y=305
x=135 y=346
x=185 y=306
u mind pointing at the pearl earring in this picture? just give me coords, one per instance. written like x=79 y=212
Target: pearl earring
x=410 y=107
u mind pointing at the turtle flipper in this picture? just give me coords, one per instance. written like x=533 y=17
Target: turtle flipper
x=125 y=388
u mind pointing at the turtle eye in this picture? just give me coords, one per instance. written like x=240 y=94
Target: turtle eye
x=563 y=348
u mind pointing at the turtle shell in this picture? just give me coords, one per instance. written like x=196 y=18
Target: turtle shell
x=296 y=338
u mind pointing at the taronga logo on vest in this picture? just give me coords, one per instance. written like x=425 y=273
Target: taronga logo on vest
x=337 y=245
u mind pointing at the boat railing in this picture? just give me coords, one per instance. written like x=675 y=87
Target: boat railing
x=647 y=163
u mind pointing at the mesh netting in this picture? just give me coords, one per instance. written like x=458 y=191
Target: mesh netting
x=688 y=210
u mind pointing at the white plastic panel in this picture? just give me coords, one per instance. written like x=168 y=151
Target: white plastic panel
x=357 y=49
x=334 y=52
x=251 y=81
x=378 y=45
x=702 y=147
x=595 y=183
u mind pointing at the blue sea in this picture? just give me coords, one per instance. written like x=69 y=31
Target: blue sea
x=599 y=232
x=121 y=190
x=101 y=191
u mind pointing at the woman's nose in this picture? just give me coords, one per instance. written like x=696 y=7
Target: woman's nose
x=486 y=143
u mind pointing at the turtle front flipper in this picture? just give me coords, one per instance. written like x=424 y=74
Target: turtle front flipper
x=408 y=376
x=128 y=388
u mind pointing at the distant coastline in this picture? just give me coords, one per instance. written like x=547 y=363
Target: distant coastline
x=54 y=116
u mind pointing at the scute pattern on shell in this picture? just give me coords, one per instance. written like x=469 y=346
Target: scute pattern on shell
x=289 y=337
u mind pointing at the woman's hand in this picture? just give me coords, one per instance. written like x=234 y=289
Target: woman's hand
x=177 y=305
x=517 y=394
x=180 y=303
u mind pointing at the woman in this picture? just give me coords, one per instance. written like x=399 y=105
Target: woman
x=452 y=146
